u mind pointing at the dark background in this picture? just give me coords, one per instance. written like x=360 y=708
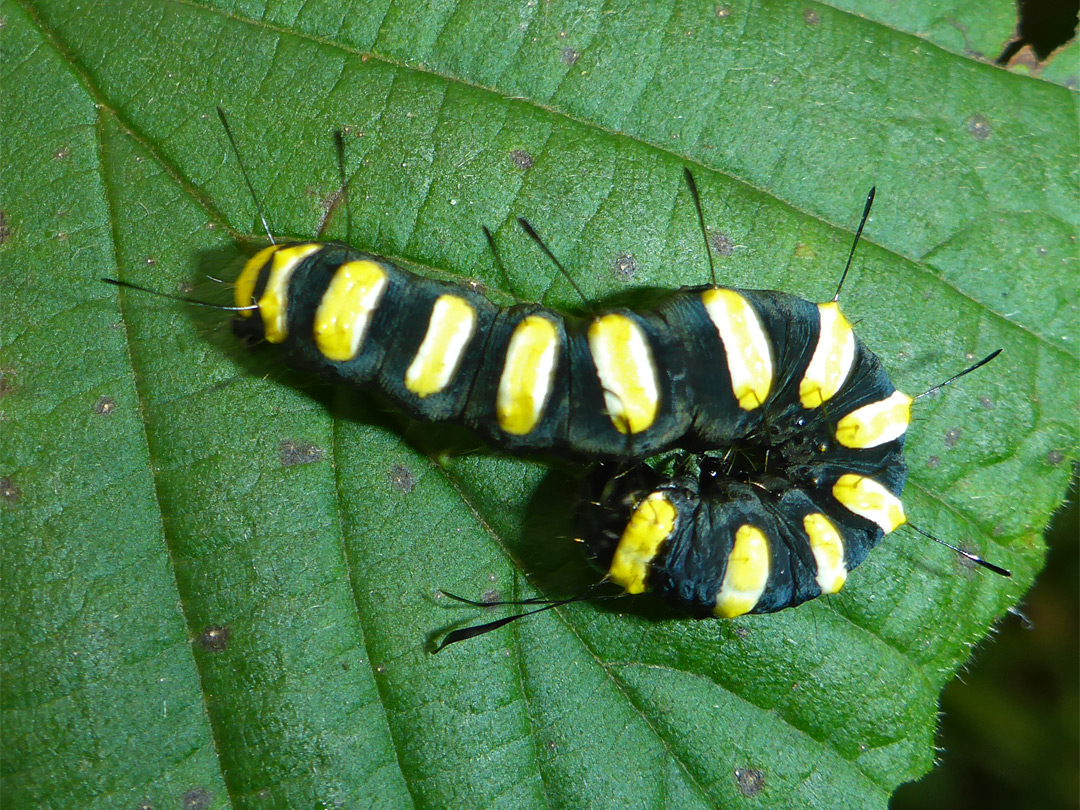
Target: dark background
x=1009 y=735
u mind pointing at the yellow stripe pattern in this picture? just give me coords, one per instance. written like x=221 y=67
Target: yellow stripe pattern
x=749 y=357
x=528 y=375
x=346 y=308
x=451 y=326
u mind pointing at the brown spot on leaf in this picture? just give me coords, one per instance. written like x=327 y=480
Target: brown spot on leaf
x=1055 y=457
x=979 y=127
x=569 y=55
x=625 y=267
x=9 y=491
x=522 y=159
x=750 y=781
x=402 y=479
x=61 y=153
x=810 y=16
x=105 y=405
x=293 y=454
x=723 y=12
x=952 y=436
x=5 y=231
x=214 y=638
x=933 y=462
x=721 y=244
x=196 y=799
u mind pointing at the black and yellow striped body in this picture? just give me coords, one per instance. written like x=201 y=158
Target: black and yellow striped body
x=782 y=518
x=811 y=428
x=709 y=367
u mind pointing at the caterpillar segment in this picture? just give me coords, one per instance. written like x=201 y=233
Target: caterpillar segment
x=714 y=545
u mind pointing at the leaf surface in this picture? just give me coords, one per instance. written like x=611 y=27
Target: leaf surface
x=219 y=580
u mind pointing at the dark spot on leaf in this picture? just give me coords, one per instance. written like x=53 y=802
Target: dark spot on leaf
x=145 y=805
x=1054 y=457
x=8 y=491
x=105 y=405
x=721 y=244
x=61 y=153
x=952 y=436
x=214 y=638
x=149 y=261
x=742 y=632
x=625 y=267
x=345 y=666
x=750 y=781
x=61 y=236
x=196 y=799
x=522 y=159
x=5 y=232
x=402 y=479
x=569 y=55
x=811 y=17
x=986 y=402
x=979 y=127
x=933 y=462
x=293 y=454
x=380 y=669
x=552 y=745
x=490 y=596
x=7 y=381
x=1041 y=251
x=723 y=12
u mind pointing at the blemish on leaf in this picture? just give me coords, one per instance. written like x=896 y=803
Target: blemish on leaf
x=569 y=55
x=196 y=799
x=293 y=454
x=723 y=12
x=750 y=781
x=625 y=267
x=522 y=159
x=214 y=638
x=952 y=436
x=742 y=632
x=7 y=381
x=5 y=232
x=721 y=244
x=61 y=153
x=804 y=251
x=105 y=405
x=933 y=462
x=402 y=479
x=9 y=491
x=145 y=805
x=1055 y=457
x=986 y=402
x=811 y=17
x=979 y=127
x=490 y=596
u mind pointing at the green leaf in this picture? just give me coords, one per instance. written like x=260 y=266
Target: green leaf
x=218 y=581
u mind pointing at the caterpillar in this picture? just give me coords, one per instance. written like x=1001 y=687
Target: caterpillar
x=720 y=536
x=708 y=367
x=712 y=372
